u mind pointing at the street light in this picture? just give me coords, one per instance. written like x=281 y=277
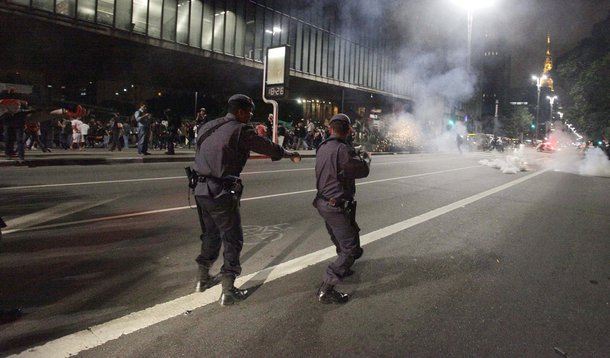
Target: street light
x=470 y=6
x=539 y=81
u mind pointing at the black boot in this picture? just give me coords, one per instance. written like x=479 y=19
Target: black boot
x=205 y=280
x=357 y=253
x=328 y=294
x=230 y=294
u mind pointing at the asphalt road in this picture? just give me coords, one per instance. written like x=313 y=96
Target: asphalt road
x=460 y=260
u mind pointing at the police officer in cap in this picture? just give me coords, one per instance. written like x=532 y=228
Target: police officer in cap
x=223 y=147
x=338 y=165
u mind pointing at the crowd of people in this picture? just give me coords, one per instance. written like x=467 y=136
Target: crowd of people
x=110 y=131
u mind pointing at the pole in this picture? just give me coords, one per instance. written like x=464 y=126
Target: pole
x=470 y=18
x=196 y=97
x=274 y=103
x=538 y=106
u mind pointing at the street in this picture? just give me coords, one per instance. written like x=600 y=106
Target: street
x=459 y=260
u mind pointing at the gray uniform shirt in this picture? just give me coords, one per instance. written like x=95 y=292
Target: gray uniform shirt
x=337 y=168
x=225 y=152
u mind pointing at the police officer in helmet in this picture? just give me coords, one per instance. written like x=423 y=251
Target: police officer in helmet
x=223 y=147
x=338 y=165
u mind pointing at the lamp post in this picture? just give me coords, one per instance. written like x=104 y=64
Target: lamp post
x=470 y=6
x=538 y=85
x=551 y=101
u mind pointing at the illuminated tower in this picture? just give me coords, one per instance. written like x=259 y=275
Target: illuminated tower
x=548 y=66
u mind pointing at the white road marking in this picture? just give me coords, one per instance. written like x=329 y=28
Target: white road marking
x=159 y=211
x=52 y=213
x=98 y=335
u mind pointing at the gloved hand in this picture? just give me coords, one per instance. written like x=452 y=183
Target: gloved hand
x=366 y=156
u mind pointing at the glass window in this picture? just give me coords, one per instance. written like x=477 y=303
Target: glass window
x=123 y=15
x=208 y=25
x=105 y=12
x=331 y=56
x=269 y=31
x=306 y=44
x=155 y=8
x=319 y=57
x=65 y=7
x=196 y=17
x=313 y=62
x=285 y=26
x=169 y=19
x=86 y=10
x=353 y=58
x=219 y=25
x=240 y=28
x=260 y=31
x=324 y=51
x=23 y=2
x=229 y=46
x=182 y=26
x=292 y=40
x=337 y=69
x=367 y=67
x=361 y=64
x=42 y=4
x=299 y=47
x=140 y=15
x=250 y=30
x=346 y=60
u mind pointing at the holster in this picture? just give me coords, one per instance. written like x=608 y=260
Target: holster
x=350 y=213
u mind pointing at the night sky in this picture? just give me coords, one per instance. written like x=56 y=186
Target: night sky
x=521 y=24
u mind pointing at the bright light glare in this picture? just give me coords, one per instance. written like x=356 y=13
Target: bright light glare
x=473 y=4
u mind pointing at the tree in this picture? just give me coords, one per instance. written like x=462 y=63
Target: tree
x=583 y=75
x=518 y=120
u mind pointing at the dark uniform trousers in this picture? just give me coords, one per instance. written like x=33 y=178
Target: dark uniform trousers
x=222 y=222
x=346 y=238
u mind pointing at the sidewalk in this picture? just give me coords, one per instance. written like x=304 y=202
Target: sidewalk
x=92 y=156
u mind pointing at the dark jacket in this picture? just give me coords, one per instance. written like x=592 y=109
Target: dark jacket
x=224 y=153
x=337 y=168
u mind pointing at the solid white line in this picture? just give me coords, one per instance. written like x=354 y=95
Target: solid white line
x=105 y=332
x=159 y=211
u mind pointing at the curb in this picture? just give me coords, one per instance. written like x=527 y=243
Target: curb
x=43 y=162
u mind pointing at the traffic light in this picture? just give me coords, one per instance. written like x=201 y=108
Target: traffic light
x=533 y=126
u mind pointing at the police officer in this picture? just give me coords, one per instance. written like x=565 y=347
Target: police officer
x=223 y=147
x=337 y=166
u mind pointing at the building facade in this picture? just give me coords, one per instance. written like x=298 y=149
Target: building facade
x=129 y=50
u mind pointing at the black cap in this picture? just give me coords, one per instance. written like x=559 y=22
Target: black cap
x=340 y=117
x=241 y=101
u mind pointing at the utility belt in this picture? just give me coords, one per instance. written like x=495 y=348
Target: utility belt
x=336 y=202
x=348 y=207
x=231 y=184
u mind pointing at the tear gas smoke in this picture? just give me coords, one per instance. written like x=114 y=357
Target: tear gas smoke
x=510 y=164
x=566 y=157
x=590 y=161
